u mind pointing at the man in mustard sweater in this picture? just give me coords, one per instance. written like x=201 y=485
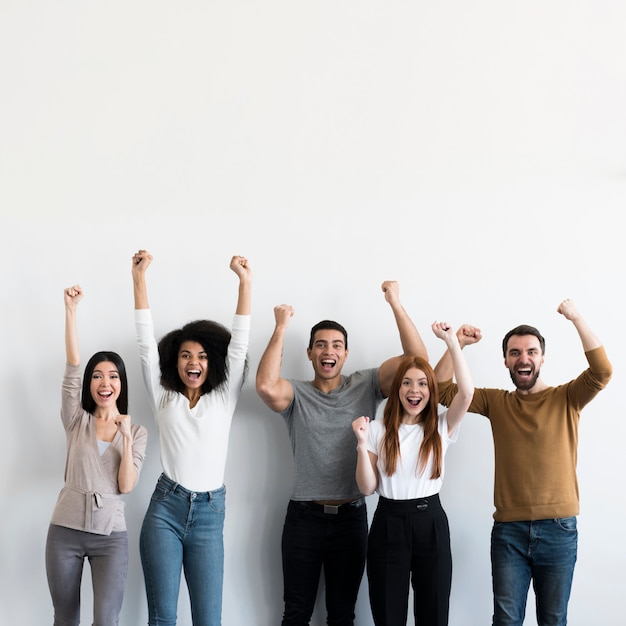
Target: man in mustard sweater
x=535 y=435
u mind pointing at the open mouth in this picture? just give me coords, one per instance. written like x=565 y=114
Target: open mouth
x=328 y=364
x=524 y=372
x=413 y=401
x=105 y=395
x=193 y=374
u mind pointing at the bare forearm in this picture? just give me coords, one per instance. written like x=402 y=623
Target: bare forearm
x=72 y=353
x=366 y=478
x=268 y=372
x=444 y=370
x=462 y=373
x=127 y=473
x=244 y=301
x=411 y=340
x=588 y=338
x=140 y=292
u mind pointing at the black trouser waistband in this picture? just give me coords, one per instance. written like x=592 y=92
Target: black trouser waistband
x=410 y=506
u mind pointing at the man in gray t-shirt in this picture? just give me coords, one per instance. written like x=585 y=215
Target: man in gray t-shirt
x=326 y=522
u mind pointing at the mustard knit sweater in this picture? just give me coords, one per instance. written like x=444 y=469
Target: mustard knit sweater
x=535 y=442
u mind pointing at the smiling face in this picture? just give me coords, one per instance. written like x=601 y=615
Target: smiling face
x=524 y=359
x=328 y=354
x=192 y=364
x=105 y=385
x=414 y=394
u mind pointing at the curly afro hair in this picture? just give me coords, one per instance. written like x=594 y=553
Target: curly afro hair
x=213 y=337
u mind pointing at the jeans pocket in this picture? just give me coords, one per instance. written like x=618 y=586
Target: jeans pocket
x=217 y=502
x=567 y=523
x=161 y=493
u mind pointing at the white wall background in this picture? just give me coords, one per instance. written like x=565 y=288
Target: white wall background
x=474 y=151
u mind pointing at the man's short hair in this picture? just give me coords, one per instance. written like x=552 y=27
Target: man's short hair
x=521 y=330
x=328 y=325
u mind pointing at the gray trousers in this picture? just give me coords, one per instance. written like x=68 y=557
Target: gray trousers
x=66 y=550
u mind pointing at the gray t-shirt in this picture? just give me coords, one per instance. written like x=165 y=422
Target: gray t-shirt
x=322 y=441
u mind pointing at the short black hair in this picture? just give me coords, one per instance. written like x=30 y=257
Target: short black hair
x=522 y=330
x=87 y=401
x=328 y=325
x=214 y=339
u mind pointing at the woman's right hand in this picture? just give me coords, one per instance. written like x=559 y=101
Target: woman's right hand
x=72 y=296
x=141 y=261
x=360 y=427
x=241 y=266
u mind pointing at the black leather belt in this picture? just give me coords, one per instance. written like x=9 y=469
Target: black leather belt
x=333 y=509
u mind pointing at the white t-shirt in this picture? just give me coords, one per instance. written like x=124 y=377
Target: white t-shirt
x=408 y=482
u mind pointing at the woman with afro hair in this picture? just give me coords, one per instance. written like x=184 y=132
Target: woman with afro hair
x=193 y=377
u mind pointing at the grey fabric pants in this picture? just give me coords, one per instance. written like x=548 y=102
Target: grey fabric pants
x=66 y=550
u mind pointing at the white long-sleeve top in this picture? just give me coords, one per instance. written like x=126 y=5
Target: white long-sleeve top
x=194 y=442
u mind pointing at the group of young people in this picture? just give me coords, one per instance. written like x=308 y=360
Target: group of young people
x=194 y=376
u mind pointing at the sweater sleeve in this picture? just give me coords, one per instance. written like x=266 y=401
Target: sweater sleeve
x=447 y=391
x=140 y=442
x=479 y=403
x=593 y=380
x=71 y=408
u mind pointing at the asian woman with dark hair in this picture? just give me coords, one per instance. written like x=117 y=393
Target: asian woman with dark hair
x=105 y=453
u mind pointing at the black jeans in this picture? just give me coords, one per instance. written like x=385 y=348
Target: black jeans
x=313 y=539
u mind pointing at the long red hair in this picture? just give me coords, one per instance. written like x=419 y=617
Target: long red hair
x=428 y=418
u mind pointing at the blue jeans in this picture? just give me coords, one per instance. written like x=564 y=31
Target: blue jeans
x=313 y=539
x=542 y=550
x=183 y=530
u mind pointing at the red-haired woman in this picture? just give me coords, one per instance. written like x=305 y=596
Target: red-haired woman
x=402 y=459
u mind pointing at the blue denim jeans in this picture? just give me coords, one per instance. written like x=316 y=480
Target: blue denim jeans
x=313 y=539
x=183 y=530
x=543 y=551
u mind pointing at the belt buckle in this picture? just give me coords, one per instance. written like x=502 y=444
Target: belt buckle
x=332 y=509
